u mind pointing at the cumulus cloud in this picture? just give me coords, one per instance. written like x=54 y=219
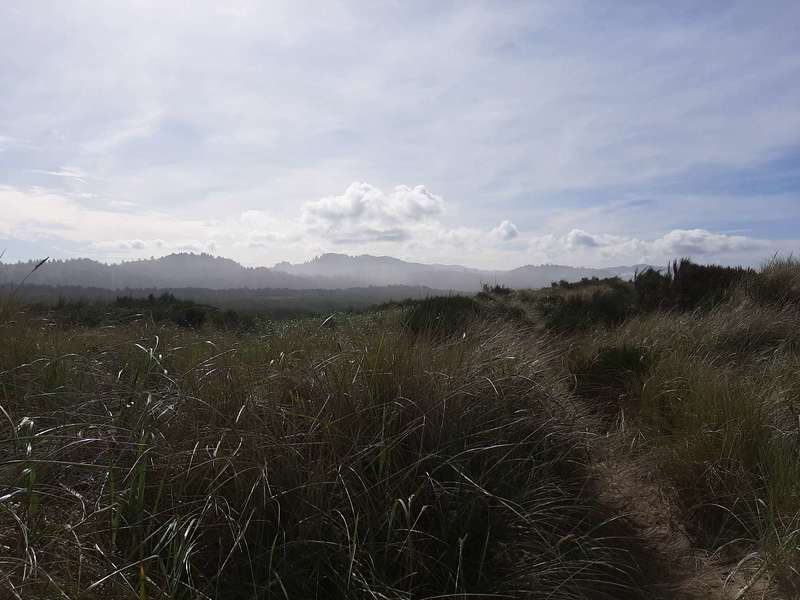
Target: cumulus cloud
x=406 y=217
x=364 y=213
x=578 y=238
x=505 y=232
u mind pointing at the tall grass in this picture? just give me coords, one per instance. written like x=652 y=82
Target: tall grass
x=778 y=281
x=585 y=307
x=443 y=448
x=365 y=461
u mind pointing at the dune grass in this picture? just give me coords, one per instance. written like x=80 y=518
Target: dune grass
x=364 y=461
x=711 y=398
x=435 y=449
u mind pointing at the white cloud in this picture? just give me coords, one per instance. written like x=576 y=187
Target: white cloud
x=583 y=247
x=505 y=232
x=607 y=244
x=685 y=242
x=364 y=213
x=578 y=238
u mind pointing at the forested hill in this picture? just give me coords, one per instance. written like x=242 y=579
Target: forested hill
x=329 y=271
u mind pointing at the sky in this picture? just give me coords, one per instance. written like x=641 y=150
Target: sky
x=490 y=134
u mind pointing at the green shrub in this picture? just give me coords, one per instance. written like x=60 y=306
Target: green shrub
x=585 y=282
x=652 y=289
x=696 y=285
x=497 y=290
x=686 y=285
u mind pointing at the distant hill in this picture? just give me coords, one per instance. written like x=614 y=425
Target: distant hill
x=328 y=271
x=386 y=270
x=172 y=271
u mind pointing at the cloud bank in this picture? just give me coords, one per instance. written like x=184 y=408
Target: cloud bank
x=698 y=243
x=408 y=221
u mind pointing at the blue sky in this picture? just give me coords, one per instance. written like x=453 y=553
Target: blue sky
x=489 y=134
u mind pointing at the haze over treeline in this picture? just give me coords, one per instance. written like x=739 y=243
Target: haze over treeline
x=328 y=271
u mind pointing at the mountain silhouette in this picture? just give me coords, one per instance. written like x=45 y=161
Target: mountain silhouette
x=328 y=271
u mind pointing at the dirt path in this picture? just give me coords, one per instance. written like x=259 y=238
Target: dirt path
x=688 y=573
x=630 y=489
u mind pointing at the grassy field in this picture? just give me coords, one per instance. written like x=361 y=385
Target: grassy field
x=599 y=440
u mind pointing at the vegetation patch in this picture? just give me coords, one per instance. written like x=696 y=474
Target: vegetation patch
x=164 y=308
x=612 y=378
x=686 y=285
x=442 y=316
x=295 y=465
x=777 y=283
x=586 y=308
x=736 y=475
x=434 y=448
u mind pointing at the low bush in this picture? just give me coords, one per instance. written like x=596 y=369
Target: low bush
x=496 y=290
x=585 y=282
x=581 y=309
x=686 y=285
